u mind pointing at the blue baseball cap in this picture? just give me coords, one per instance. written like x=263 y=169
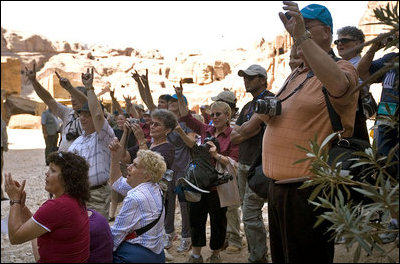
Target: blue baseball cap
x=318 y=12
x=176 y=97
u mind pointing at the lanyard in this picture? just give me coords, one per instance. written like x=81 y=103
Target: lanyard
x=309 y=75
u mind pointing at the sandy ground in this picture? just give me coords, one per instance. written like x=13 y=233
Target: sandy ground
x=25 y=160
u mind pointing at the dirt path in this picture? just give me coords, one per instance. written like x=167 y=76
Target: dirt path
x=25 y=160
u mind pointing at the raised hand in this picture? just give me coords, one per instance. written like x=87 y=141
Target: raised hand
x=138 y=132
x=179 y=89
x=136 y=77
x=112 y=93
x=64 y=82
x=145 y=78
x=294 y=25
x=127 y=127
x=13 y=188
x=177 y=127
x=128 y=100
x=116 y=149
x=31 y=74
x=87 y=79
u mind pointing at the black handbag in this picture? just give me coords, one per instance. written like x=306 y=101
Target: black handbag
x=256 y=179
x=342 y=150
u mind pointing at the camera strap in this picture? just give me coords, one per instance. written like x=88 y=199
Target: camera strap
x=309 y=75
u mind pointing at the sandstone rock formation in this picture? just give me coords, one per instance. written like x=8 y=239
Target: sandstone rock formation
x=203 y=74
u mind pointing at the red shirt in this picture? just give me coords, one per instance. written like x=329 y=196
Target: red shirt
x=207 y=118
x=68 y=237
x=227 y=148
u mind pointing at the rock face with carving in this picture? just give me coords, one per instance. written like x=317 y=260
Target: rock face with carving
x=204 y=75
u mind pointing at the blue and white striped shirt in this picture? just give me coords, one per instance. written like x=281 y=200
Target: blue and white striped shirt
x=94 y=148
x=142 y=205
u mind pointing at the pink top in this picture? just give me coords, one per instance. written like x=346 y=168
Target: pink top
x=68 y=236
x=227 y=148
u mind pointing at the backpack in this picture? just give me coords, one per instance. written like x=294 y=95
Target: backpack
x=200 y=174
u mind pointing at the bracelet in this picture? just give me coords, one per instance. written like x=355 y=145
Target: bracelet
x=15 y=202
x=307 y=35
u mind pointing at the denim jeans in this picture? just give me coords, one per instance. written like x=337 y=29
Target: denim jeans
x=135 y=253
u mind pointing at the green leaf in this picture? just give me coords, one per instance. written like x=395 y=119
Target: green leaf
x=357 y=254
x=300 y=161
x=327 y=139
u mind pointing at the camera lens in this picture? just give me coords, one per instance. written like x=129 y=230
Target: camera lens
x=261 y=107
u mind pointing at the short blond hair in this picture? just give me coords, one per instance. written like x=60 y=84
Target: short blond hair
x=223 y=106
x=153 y=164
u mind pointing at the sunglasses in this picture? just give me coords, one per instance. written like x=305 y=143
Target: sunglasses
x=343 y=41
x=216 y=114
x=156 y=124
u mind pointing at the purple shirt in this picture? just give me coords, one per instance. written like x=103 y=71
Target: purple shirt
x=101 y=241
x=227 y=148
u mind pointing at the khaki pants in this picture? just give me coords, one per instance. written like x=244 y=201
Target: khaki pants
x=100 y=200
x=254 y=228
x=233 y=226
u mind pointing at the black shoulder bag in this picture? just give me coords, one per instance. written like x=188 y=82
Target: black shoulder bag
x=256 y=179
x=342 y=150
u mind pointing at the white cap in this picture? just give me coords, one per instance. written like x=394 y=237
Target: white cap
x=254 y=69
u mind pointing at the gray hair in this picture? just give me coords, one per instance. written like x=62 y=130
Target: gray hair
x=355 y=32
x=166 y=116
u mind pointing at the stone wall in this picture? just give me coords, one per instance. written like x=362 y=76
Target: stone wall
x=11 y=75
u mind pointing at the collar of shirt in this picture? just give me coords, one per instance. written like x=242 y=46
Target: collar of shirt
x=226 y=132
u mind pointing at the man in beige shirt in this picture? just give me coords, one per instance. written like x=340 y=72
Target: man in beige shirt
x=304 y=115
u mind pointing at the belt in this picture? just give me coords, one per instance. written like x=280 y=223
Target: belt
x=291 y=180
x=98 y=186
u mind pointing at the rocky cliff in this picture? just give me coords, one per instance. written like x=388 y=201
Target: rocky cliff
x=204 y=75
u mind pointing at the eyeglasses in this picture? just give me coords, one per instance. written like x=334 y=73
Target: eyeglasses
x=343 y=41
x=156 y=124
x=216 y=114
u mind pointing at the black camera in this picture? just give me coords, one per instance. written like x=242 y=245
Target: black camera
x=270 y=105
x=213 y=140
x=72 y=135
x=133 y=121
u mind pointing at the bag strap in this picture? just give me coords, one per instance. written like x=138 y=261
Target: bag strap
x=336 y=122
x=142 y=230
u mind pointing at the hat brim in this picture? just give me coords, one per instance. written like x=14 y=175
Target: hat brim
x=243 y=73
x=184 y=182
x=215 y=98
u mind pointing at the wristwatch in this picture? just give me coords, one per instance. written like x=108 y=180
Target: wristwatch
x=15 y=202
x=307 y=35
